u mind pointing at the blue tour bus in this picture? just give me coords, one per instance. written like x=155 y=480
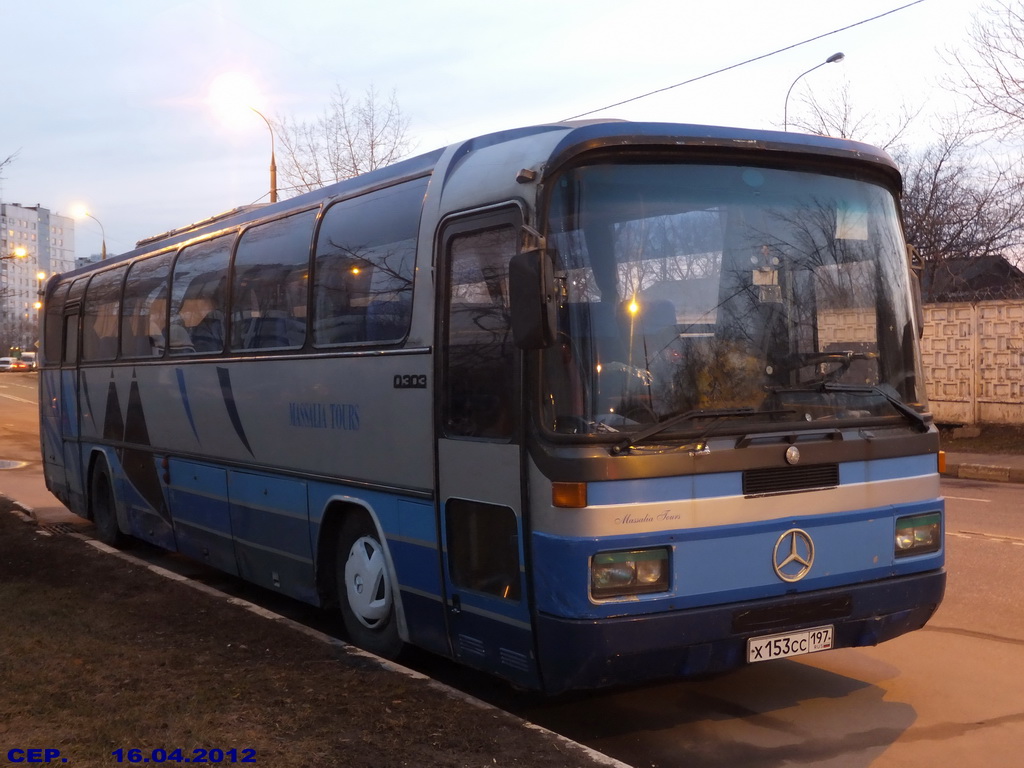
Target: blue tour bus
x=575 y=404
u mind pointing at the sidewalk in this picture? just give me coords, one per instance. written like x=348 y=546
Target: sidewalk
x=27 y=489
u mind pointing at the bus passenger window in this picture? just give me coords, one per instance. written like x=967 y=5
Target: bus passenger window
x=70 y=339
x=198 y=298
x=269 y=281
x=71 y=322
x=483 y=548
x=100 y=318
x=365 y=261
x=54 y=326
x=144 y=316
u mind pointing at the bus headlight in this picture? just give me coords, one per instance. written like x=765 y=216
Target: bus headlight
x=634 y=572
x=918 y=535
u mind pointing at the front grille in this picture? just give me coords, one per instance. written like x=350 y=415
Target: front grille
x=760 y=482
x=792 y=614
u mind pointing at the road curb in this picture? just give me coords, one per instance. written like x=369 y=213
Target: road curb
x=24 y=513
x=989 y=472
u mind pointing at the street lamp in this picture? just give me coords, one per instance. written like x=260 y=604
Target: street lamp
x=20 y=252
x=231 y=95
x=103 y=236
x=40 y=278
x=273 y=161
x=835 y=57
x=80 y=212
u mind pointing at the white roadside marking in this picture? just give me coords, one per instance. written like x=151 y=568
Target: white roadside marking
x=1012 y=540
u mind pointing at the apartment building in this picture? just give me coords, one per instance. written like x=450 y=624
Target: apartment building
x=34 y=244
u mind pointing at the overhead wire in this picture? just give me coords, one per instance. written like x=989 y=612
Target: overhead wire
x=744 y=63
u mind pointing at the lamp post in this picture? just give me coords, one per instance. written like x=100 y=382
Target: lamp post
x=231 y=95
x=273 y=161
x=103 y=236
x=80 y=211
x=40 y=283
x=835 y=57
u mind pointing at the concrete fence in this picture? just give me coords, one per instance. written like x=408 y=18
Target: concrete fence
x=973 y=357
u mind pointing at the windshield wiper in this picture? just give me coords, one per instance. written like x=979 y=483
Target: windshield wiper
x=898 y=405
x=715 y=414
x=916 y=417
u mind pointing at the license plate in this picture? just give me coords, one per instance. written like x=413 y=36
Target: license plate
x=789 y=644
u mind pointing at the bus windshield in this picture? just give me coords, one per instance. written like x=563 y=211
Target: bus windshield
x=697 y=292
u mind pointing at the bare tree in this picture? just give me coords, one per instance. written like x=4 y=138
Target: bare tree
x=958 y=202
x=992 y=67
x=3 y=164
x=346 y=140
x=838 y=117
x=835 y=117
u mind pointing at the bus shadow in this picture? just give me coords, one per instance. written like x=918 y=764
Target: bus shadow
x=825 y=709
x=782 y=713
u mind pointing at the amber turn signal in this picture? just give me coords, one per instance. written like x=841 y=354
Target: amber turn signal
x=569 y=495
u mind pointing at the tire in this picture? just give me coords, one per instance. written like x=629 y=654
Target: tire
x=366 y=597
x=104 y=511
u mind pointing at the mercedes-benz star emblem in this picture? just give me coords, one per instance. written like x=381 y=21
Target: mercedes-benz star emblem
x=793 y=455
x=793 y=555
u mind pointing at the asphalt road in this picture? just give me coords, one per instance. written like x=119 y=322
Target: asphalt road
x=949 y=695
x=19 y=416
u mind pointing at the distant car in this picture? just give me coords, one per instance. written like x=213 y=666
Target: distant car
x=13 y=364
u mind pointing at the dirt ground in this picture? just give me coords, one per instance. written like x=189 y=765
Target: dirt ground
x=99 y=655
x=987 y=438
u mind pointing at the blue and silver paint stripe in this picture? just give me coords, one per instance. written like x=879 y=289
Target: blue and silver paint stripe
x=619 y=507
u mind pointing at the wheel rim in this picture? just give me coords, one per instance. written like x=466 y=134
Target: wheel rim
x=366 y=582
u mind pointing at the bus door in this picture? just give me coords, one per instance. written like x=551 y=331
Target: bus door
x=479 y=463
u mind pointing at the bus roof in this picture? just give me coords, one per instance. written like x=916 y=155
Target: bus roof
x=561 y=141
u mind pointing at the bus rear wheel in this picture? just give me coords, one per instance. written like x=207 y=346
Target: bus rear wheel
x=104 y=512
x=365 y=591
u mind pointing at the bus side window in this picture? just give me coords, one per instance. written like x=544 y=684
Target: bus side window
x=144 y=314
x=479 y=352
x=54 y=325
x=365 y=261
x=198 y=298
x=269 y=279
x=71 y=322
x=71 y=339
x=100 y=316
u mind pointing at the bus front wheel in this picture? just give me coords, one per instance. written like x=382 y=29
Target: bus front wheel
x=365 y=592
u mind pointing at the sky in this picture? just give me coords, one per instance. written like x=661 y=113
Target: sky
x=106 y=103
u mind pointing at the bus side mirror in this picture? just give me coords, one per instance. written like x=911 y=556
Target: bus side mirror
x=532 y=296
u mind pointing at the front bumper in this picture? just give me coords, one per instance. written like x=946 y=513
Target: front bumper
x=596 y=653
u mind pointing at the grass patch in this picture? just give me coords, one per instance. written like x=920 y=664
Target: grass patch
x=987 y=438
x=100 y=654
